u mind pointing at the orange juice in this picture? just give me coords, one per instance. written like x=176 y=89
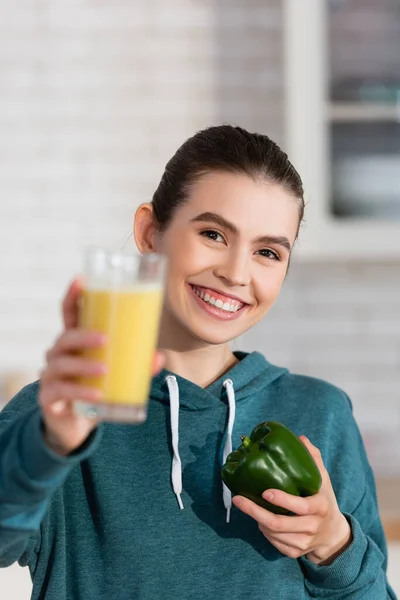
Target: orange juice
x=130 y=320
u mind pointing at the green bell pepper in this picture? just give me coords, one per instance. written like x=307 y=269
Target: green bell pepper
x=272 y=457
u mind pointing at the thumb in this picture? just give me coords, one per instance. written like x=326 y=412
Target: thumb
x=70 y=305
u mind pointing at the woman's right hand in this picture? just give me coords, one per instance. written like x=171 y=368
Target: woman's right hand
x=64 y=431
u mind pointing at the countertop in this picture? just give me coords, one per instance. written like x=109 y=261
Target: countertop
x=388 y=490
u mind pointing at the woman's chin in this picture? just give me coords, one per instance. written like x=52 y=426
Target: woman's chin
x=205 y=330
x=212 y=335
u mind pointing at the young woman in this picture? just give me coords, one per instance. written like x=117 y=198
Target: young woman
x=91 y=507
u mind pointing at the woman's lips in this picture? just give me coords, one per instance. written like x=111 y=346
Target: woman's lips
x=213 y=310
x=224 y=298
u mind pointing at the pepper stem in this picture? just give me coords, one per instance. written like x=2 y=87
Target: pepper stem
x=246 y=441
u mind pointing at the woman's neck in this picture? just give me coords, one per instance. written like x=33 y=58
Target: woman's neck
x=190 y=357
x=202 y=366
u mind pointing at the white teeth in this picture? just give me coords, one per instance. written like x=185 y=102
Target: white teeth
x=227 y=306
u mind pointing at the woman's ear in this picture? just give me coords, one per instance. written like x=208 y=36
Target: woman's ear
x=144 y=229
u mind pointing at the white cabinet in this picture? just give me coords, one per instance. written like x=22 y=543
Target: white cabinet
x=342 y=89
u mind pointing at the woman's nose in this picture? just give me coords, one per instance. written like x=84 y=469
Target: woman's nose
x=235 y=270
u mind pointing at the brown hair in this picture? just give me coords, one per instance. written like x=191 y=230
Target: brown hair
x=223 y=148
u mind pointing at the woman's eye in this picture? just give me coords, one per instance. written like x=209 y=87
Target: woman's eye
x=212 y=235
x=269 y=254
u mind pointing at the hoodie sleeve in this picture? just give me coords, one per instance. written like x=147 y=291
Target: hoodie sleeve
x=29 y=474
x=359 y=573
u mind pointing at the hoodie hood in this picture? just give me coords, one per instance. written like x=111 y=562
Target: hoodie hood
x=250 y=375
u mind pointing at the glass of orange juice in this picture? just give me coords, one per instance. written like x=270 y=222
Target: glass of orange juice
x=122 y=298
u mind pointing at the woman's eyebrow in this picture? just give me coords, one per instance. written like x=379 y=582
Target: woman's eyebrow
x=210 y=217
x=218 y=220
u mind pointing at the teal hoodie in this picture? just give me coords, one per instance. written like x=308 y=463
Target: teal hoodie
x=106 y=523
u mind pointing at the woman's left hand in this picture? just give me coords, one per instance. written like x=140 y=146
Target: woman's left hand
x=318 y=530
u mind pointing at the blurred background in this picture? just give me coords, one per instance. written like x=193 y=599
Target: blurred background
x=96 y=96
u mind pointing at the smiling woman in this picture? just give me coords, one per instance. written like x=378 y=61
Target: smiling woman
x=245 y=255
x=226 y=214
x=98 y=507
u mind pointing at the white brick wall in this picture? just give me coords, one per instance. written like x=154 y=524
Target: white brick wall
x=95 y=96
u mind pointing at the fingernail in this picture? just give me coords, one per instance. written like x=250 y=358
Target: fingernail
x=237 y=501
x=268 y=495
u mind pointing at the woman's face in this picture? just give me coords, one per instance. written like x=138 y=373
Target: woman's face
x=228 y=249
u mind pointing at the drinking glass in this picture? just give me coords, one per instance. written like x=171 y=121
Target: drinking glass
x=122 y=298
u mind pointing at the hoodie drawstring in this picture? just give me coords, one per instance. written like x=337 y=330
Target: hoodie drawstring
x=226 y=493
x=176 y=474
